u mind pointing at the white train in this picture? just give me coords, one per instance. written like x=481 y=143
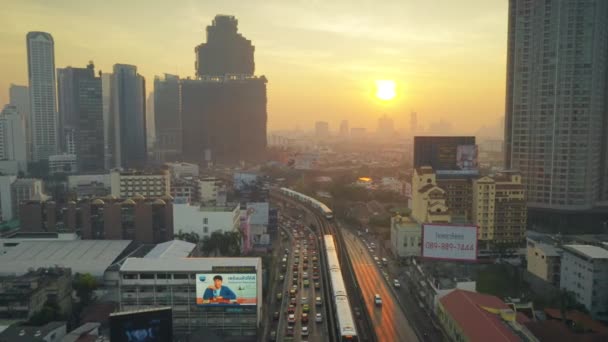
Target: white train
x=309 y=200
x=344 y=317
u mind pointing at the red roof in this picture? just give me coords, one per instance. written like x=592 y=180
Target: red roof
x=577 y=316
x=556 y=331
x=477 y=324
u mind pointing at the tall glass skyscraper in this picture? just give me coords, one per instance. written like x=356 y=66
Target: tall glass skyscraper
x=41 y=75
x=128 y=117
x=556 y=101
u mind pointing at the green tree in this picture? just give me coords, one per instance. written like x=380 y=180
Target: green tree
x=50 y=312
x=206 y=246
x=84 y=285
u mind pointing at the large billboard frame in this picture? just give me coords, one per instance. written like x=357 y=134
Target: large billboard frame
x=208 y=278
x=137 y=319
x=423 y=241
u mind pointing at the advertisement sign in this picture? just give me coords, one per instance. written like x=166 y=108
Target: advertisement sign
x=152 y=325
x=221 y=289
x=444 y=241
x=466 y=157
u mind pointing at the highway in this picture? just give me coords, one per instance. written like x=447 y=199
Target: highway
x=389 y=321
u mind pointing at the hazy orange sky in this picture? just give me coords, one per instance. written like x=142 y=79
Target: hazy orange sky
x=321 y=57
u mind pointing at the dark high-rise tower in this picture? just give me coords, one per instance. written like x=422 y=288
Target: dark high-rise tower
x=556 y=101
x=226 y=51
x=223 y=113
x=128 y=118
x=81 y=116
x=167 y=116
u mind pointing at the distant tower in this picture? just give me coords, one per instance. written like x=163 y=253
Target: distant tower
x=386 y=126
x=344 y=128
x=43 y=112
x=19 y=96
x=413 y=123
x=321 y=129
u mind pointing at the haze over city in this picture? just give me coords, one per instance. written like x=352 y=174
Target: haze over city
x=321 y=58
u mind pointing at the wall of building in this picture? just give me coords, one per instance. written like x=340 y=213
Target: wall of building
x=406 y=236
x=205 y=220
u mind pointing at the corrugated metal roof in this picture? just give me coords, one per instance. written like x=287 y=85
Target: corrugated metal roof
x=171 y=249
x=82 y=256
x=185 y=264
x=589 y=251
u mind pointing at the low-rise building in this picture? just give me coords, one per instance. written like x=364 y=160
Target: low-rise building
x=184 y=190
x=406 y=236
x=205 y=220
x=181 y=170
x=6 y=198
x=584 y=271
x=176 y=282
x=23 y=296
x=428 y=199
x=25 y=189
x=89 y=186
x=125 y=184
x=544 y=261
x=63 y=163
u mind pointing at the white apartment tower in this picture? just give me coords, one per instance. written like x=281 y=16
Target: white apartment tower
x=12 y=137
x=41 y=75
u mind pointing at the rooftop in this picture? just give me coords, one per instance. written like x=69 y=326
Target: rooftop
x=171 y=249
x=185 y=264
x=27 y=333
x=82 y=256
x=588 y=251
x=470 y=312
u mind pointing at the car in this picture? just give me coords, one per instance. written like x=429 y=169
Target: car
x=377 y=300
x=292 y=293
x=305 y=308
x=291 y=318
x=384 y=261
x=281 y=277
x=304 y=300
x=273 y=336
x=376 y=258
x=279 y=296
x=305 y=266
x=315 y=276
x=304 y=318
x=295 y=282
x=304 y=331
x=289 y=331
x=293 y=301
x=294 y=268
x=396 y=283
x=306 y=283
x=318 y=317
x=291 y=309
x=275 y=316
x=317 y=285
x=318 y=301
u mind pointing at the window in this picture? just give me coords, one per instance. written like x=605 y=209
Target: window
x=180 y=276
x=146 y=276
x=205 y=229
x=205 y=220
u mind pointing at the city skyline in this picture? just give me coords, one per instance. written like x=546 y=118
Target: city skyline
x=435 y=52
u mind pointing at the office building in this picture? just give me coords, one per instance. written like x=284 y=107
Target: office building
x=25 y=189
x=128 y=118
x=81 y=116
x=499 y=208
x=167 y=116
x=63 y=163
x=50 y=332
x=584 y=271
x=19 y=96
x=440 y=153
x=182 y=170
x=321 y=129
x=226 y=51
x=6 y=198
x=344 y=128
x=106 y=99
x=458 y=194
x=386 y=127
x=556 y=125
x=125 y=184
x=23 y=296
x=172 y=281
x=224 y=119
x=406 y=236
x=413 y=123
x=89 y=185
x=43 y=112
x=204 y=220
x=544 y=261
x=428 y=199
x=13 y=145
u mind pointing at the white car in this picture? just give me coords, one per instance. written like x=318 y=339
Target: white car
x=304 y=300
x=291 y=318
x=377 y=300
x=304 y=331
x=396 y=283
x=318 y=318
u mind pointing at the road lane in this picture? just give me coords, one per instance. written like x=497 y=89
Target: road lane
x=390 y=322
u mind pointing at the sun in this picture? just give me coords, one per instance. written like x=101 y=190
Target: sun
x=385 y=89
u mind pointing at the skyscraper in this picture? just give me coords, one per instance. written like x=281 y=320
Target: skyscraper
x=41 y=76
x=413 y=123
x=344 y=128
x=226 y=51
x=168 y=121
x=19 y=96
x=321 y=129
x=386 y=126
x=12 y=137
x=81 y=116
x=556 y=108
x=106 y=98
x=223 y=113
x=128 y=117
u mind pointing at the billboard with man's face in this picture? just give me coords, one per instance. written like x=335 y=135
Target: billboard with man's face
x=226 y=289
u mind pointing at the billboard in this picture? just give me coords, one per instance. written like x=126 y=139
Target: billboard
x=466 y=157
x=448 y=242
x=152 y=325
x=226 y=289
